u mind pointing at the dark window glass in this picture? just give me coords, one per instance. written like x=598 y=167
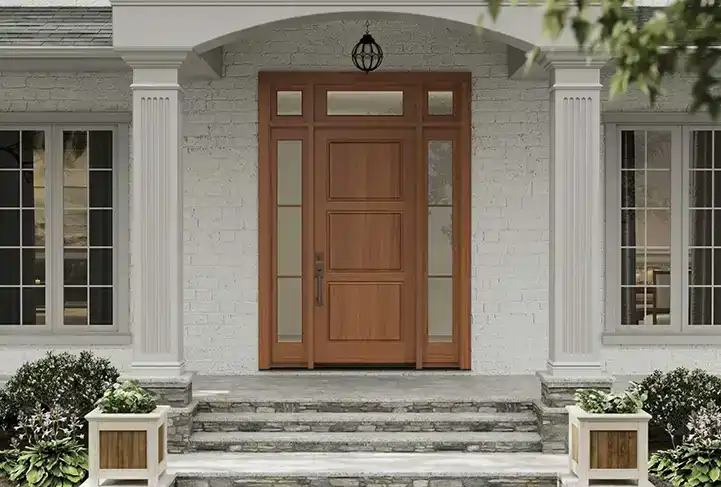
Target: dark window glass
x=101 y=149
x=9 y=267
x=101 y=306
x=9 y=305
x=101 y=267
x=9 y=149
x=101 y=228
x=101 y=189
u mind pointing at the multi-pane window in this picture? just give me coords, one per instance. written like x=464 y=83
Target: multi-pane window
x=704 y=228
x=664 y=254
x=22 y=227
x=58 y=225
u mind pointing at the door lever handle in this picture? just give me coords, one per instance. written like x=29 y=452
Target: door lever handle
x=319 y=279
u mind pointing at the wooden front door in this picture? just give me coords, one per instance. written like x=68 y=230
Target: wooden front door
x=365 y=248
x=364 y=219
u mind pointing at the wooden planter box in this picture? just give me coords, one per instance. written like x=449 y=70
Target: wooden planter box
x=608 y=446
x=127 y=446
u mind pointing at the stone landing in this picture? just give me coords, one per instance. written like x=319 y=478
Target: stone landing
x=367 y=469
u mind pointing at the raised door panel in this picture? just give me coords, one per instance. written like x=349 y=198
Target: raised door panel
x=364 y=214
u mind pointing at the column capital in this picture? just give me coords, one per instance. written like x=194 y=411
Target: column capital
x=553 y=59
x=153 y=59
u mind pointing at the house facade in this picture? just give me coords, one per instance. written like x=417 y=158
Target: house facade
x=213 y=187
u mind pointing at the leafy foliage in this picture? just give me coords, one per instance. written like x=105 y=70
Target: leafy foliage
x=688 y=465
x=127 y=397
x=55 y=463
x=704 y=427
x=73 y=382
x=682 y=36
x=601 y=402
x=40 y=426
x=673 y=397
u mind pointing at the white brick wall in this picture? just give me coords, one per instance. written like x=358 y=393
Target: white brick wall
x=510 y=189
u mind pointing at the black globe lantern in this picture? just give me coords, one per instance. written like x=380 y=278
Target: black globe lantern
x=367 y=55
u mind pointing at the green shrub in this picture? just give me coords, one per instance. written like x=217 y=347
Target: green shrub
x=697 y=462
x=601 y=402
x=55 y=463
x=73 y=382
x=127 y=398
x=672 y=397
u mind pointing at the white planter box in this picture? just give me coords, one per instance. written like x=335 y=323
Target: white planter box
x=608 y=446
x=127 y=446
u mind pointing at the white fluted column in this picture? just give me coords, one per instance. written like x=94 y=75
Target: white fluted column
x=157 y=217
x=576 y=218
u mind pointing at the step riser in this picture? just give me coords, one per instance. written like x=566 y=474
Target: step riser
x=283 y=446
x=363 y=407
x=352 y=427
x=369 y=482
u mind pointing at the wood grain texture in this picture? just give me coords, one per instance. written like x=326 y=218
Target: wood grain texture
x=365 y=171
x=161 y=443
x=365 y=242
x=365 y=311
x=574 y=443
x=123 y=450
x=614 y=449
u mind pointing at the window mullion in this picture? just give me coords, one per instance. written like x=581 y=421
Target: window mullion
x=678 y=208
x=55 y=250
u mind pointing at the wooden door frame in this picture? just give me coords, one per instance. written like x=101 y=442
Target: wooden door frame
x=303 y=127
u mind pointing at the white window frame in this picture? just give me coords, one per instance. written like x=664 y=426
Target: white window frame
x=55 y=331
x=678 y=332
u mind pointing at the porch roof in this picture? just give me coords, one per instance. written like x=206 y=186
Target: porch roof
x=56 y=26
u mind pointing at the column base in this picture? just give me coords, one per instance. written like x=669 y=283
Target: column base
x=172 y=391
x=557 y=392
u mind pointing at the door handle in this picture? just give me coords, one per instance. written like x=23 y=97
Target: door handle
x=319 y=279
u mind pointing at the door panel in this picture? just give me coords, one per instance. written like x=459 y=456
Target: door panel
x=364 y=224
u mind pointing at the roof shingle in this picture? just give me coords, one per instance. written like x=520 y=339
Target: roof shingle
x=56 y=26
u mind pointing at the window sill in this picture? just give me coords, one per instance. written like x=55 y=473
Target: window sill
x=65 y=339
x=660 y=338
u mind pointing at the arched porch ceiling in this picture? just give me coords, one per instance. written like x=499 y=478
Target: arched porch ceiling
x=204 y=26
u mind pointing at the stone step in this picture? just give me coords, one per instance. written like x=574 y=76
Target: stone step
x=365 y=422
x=221 y=404
x=360 y=469
x=365 y=442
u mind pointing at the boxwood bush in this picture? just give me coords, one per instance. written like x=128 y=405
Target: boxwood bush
x=672 y=397
x=71 y=382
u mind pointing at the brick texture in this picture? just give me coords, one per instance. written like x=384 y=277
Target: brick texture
x=510 y=187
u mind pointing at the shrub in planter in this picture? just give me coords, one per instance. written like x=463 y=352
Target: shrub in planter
x=672 y=397
x=697 y=462
x=73 y=382
x=127 y=436
x=608 y=436
x=126 y=398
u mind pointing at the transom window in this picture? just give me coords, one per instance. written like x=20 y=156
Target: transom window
x=664 y=231
x=63 y=226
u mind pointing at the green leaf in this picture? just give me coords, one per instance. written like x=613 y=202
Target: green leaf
x=714 y=474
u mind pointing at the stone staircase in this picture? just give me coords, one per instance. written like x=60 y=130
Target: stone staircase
x=365 y=426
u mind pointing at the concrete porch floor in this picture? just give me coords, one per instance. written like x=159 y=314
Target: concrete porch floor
x=373 y=386
x=354 y=386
